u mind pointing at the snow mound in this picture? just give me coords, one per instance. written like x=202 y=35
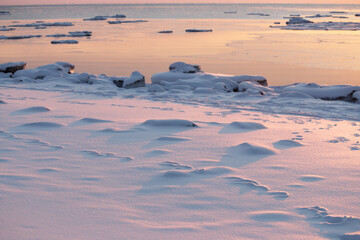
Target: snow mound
x=250 y=149
x=236 y=127
x=41 y=125
x=169 y=123
x=312 y=178
x=31 y=110
x=272 y=216
x=285 y=144
x=58 y=69
x=339 y=227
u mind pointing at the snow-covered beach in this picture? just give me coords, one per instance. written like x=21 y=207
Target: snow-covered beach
x=116 y=138
x=87 y=159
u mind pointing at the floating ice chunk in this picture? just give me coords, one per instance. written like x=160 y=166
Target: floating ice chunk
x=298 y=20
x=230 y=12
x=12 y=67
x=258 y=14
x=5 y=13
x=80 y=34
x=357 y=14
x=44 y=24
x=166 y=31
x=135 y=80
x=3 y=28
x=57 y=35
x=198 y=30
x=19 y=37
x=64 y=42
x=319 y=16
x=338 y=12
x=349 y=26
x=118 y=16
x=96 y=18
x=126 y=21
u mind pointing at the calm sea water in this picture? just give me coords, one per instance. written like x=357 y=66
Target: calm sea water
x=173 y=11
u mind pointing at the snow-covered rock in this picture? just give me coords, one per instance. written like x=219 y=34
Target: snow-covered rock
x=335 y=92
x=182 y=74
x=135 y=80
x=12 y=67
x=64 y=42
x=58 y=69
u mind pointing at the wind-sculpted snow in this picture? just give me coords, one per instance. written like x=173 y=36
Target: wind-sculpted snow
x=169 y=123
x=331 y=226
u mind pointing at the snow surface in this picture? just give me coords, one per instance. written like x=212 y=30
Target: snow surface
x=81 y=158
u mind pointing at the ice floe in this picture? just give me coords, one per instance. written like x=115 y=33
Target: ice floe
x=126 y=21
x=303 y=25
x=198 y=30
x=3 y=28
x=259 y=14
x=64 y=42
x=44 y=24
x=19 y=37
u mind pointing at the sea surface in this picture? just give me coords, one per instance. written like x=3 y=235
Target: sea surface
x=239 y=43
x=174 y=11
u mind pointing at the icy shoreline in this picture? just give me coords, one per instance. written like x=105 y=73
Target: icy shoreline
x=187 y=84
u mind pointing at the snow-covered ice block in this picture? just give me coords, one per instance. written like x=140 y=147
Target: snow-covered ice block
x=58 y=69
x=335 y=92
x=135 y=80
x=12 y=67
x=182 y=74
